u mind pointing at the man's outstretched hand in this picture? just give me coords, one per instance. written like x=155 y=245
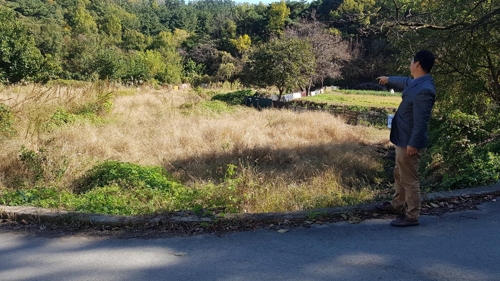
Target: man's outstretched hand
x=383 y=80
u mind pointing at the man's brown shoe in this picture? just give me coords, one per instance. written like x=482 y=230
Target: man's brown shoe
x=403 y=221
x=387 y=206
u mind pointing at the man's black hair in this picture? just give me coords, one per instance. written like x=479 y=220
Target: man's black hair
x=426 y=60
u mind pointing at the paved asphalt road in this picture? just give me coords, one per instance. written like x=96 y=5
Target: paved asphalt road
x=457 y=246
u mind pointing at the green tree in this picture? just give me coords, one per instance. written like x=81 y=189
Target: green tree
x=113 y=28
x=471 y=64
x=278 y=14
x=251 y=20
x=323 y=8
x=83 y=21
x=134 y=40
x=19 y=57
x=80 y=57
x=136 y=68
x=285 y=63
x=167 y=40
x=229 y=68
x=34 y=8
x=242 y=44
x=166 y=44
x=110 y=63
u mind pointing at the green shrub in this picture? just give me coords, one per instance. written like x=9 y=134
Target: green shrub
x=465 y=149
x=233 y=98
x=101 y=200
x=116 y=200
x=22 y=197
x=61 y=117
x=34 y=162
x=41 y=165
x=126 y=175
x=6 y=121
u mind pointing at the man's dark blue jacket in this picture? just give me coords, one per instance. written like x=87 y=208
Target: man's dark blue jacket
x=411 y=121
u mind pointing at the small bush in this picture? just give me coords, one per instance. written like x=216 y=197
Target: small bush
x=41 y=165
x=61 y=117
x=126 y=175
x=6 y=121
x=24 y=197
x=119 y=201
x=233 y=98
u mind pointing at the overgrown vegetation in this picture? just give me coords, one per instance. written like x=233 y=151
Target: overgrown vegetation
x=465 y=150
x=235 y=159
x=291 y=46
x=6 y=121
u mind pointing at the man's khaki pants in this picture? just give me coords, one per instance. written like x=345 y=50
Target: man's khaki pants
x=407 y=183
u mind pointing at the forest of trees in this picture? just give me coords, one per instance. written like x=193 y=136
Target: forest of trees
x=290 y=45
x=168 y=42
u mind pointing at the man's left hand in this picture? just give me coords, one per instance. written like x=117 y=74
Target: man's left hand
x=410 y=150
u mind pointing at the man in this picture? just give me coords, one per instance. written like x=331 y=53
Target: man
x=410 y=136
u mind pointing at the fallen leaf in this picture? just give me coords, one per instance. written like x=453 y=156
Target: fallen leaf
x=494 y=200
x=24 y=222
x=354 y=220
x=433 y=205
x=282 y=230
x=344 y=216
x=180 y=254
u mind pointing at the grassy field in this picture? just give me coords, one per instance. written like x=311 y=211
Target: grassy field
x=106 y=149
x=368 y=92
x=358 y=98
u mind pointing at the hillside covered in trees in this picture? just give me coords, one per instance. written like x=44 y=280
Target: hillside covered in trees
x=178 y=42
x=290 y=45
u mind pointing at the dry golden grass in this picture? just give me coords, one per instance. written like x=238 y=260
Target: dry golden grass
x=283 y=160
